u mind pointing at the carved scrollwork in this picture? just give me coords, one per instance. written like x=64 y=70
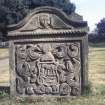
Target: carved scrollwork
x=34 y=52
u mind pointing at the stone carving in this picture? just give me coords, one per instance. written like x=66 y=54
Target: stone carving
x=45 y=21
x=48 y=69
x=42 y=21
x=48 y=54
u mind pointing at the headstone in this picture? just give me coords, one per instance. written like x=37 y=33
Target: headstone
x=48 y=55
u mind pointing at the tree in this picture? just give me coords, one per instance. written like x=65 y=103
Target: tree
x=3 y=20
x=16 y=10
x=99 y=33
x=101 y=27
x=65 y=5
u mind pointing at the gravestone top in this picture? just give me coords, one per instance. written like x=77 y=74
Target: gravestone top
x=48 y=54
x=50 y=20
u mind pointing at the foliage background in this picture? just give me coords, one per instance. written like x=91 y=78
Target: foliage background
x=12 y=11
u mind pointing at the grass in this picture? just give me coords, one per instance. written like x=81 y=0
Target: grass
x=4 y=53
x=96 y=82
x=87 y=100
x=4 y=66
x=97 y=68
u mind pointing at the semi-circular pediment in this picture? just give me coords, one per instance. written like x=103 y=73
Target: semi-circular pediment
x=46 y=19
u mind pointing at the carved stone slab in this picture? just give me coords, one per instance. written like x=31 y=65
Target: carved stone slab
x=48 y=55
x=48 y=69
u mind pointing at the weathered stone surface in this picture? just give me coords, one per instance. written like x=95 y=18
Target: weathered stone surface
x=48 y=55
x=47 y=68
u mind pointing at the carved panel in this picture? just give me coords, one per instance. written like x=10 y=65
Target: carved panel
x=48 y=69
x=45 y=21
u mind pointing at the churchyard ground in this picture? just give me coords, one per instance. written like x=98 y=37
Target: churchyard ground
x=96 y=81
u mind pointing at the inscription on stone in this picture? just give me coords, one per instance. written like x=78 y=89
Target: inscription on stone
x=48 y=69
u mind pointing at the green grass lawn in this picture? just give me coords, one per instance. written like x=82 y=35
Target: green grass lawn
x=4 y=67
x=84 y=100
x=96 y=80
x=97 y=68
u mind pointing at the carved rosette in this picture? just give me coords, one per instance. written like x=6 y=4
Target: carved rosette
x=48 y=69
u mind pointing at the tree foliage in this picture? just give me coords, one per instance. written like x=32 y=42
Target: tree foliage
x=65 y=5
x=101 y=27
x=12 y=11
x=99 y=33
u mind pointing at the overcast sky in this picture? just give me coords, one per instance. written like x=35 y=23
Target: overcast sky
x=91 y=10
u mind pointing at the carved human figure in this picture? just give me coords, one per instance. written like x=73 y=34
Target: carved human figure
x=44 y=21
x=33 y=73
x=70 y=68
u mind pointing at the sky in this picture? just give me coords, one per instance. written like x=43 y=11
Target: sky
x=91 y=10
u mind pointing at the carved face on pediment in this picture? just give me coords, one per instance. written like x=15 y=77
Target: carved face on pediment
x=47 y=18
x=45 y=21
